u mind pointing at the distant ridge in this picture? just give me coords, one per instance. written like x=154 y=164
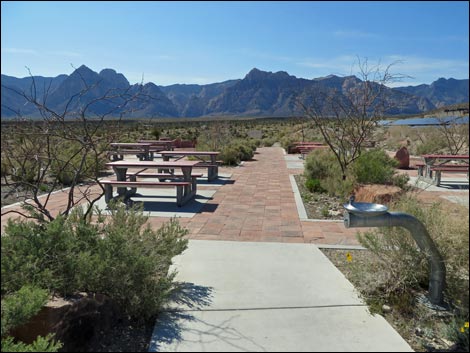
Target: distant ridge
x=259 y=93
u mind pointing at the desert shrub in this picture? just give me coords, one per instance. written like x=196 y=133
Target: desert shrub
x=26 y=171
x=336 y=186
x=374 y=167
x=155 y=132
x=431 y=141
x=313 y=185
x=5 y=167
x=402 y=267
x=286 y=142
x=19 y=306
x=401 y=180
x=458 y=332
x=246 y=148
x=268 y=141
x=119 y=257
x=229 y=156
x=17 y=309
x=68 y=164
x=41 y=344
x=238 y=150
x=321 y=164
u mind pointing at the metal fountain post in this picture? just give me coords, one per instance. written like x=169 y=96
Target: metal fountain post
x=364 y=214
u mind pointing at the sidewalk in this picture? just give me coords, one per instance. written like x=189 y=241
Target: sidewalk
x=255 y=296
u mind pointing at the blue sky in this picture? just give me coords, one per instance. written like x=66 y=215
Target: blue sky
x=206 y=42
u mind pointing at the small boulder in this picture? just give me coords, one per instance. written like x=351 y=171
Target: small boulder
x=403 y=158
x=75 y=321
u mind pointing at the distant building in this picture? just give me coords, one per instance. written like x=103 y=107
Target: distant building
x=433 y=121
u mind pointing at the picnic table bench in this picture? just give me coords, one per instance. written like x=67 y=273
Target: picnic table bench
x=306 y=149
x=160 y=145
x=212 y=165
x=435 y=164
x=186 y=186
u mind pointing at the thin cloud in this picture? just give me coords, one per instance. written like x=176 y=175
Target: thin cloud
x=66 y=53
x=19 y=51
x=355 y=34
x=421 y=69
x=341 y=65
x=41 y=53
x=168 y=79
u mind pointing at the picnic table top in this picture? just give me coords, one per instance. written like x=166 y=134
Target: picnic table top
x=308 y=143
x=445 y=156
x=130 y=144
x=157 y=142
x=190 y=153
x=152 y=164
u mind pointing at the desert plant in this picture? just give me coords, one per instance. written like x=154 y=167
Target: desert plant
x=374 y=167
x=17 y=309
x=118 y=257
x=229 y=156
x=321 y=164
x=313 y=185
x=403 y=267
x=458 y=332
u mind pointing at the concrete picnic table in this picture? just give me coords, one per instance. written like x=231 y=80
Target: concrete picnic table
x=212 y=166
x=431 y=160
x=142 y=150
x=121 y=167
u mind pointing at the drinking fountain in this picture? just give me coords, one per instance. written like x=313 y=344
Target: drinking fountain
x=364 y=214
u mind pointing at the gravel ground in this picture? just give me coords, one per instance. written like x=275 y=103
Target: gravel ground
x=319 y=205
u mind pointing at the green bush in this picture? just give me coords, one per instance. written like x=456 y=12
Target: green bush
x=246 y=149
x=119 y=257
x=321 y=164
x=41 y=344
x=17 y=309
x=229 y=156
x=5 y=167
x=458 y=332
x=374 y=167
x=26 y=171
x=20 y=306
x=313 y=185
x=68 y=165
x=401 y=180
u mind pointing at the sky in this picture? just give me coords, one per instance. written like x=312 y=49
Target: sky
x=196 y=42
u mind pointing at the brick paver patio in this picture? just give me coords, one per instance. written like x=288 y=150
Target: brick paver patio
x=257 y=204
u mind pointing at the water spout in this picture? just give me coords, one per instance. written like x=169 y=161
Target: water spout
x=419 y=234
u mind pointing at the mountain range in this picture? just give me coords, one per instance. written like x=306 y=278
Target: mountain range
x=259 y=93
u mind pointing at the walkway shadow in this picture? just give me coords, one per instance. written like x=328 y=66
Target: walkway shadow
x=169 y=323
x=220 y=181
x=191 y=295
x=453 y=185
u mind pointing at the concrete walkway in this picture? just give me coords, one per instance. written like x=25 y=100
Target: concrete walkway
x=274 y=297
